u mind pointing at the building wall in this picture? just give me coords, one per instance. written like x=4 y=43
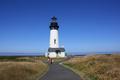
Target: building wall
x=62 y=54
x=54 y=39
x=54 y=55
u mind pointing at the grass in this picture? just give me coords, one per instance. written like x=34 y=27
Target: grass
x=96 y=67
x=22 y=58
x=21 y=68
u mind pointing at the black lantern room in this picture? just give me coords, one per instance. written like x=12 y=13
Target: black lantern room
x=54 y=24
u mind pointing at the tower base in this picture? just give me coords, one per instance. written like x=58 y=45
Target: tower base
x=56 y=52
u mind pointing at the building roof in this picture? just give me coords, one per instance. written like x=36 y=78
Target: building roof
x=56 y=49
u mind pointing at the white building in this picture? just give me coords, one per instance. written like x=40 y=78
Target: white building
x=54 y=49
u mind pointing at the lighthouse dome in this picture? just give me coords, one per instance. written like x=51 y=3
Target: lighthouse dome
x=54 y=24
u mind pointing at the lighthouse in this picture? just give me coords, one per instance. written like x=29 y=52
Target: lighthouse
x=54 y=50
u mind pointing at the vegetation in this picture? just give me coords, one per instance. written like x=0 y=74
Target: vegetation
x=22 y=58
x=21 y=68
x=96 y=67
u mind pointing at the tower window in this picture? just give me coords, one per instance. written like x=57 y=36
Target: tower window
x=54 y=41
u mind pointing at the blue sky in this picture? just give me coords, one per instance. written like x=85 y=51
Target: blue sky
x=85 y=25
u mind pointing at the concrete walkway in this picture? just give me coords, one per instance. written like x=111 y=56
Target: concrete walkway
x=58 y=72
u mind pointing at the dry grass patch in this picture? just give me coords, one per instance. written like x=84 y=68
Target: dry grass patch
x=12 y=70
x=97 y=67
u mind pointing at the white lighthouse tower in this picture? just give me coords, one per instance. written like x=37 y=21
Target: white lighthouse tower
x=54 y=49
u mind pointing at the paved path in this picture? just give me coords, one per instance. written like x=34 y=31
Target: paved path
x=58 y=72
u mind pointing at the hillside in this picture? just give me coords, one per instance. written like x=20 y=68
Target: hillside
x=96 y=67
x=21 y=68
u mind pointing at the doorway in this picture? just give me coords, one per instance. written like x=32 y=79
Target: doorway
x=57 y=53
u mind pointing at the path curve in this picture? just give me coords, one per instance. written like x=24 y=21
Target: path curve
x=58 y=72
